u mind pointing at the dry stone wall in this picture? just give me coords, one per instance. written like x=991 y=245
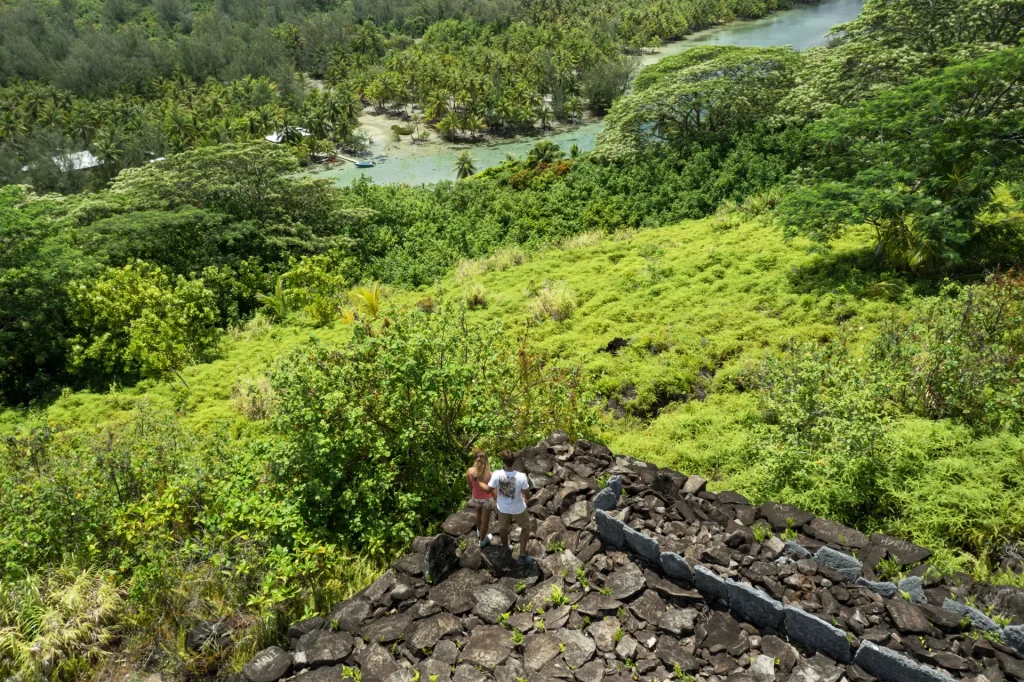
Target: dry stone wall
x=642 y=575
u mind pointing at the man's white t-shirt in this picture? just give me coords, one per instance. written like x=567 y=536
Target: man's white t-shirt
x=510 y=486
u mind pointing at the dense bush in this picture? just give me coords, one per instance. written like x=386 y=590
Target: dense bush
x=841 y=437
x=373 y=436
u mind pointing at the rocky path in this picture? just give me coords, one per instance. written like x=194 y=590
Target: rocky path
x=642 y=575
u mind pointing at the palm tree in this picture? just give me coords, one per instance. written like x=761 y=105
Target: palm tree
x=464 y=165
x=449 y=125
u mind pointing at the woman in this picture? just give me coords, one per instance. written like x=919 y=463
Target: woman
x=481 y=499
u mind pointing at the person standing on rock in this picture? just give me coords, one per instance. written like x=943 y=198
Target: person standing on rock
x=513 y=493
x=481 y=498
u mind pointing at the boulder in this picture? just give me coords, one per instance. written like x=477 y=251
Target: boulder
x=784 y=516
x=596 y=605
x=889 y=666
x=845 y=564
x=1013 y=636
x=330 y=648
x=672 y=654
x=675 y=566
x=350 y=614
x=410 y=564
x=269 y=665
x=606 y=499
x=603 y=633
x=615 y=485
x=816 y=669
x=886 y=589
x=591 y=672
x=909 y=619
x=379 y=587
x=796 y=550
x=334 y=673
x=467 y=673
x=694 y=485
x=625 y=582
x=441 y=558
x=722 y=633
x=913 y=587
x=488 y=647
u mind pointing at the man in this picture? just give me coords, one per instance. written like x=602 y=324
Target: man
x=513 y=493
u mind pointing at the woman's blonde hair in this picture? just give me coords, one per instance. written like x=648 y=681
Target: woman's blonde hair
x=482 y=465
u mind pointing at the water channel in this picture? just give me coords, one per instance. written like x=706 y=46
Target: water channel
x=801 y=27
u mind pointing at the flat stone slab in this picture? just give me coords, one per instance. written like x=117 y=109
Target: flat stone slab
x=672 y=653
x=907 y=553
x=610 y=529
x=710 y=584
x=754 y=605
x=488 y=647
x=816 y=634
x=562 y=563
x=591 y=672
x=376 y=664
x=596 y=605
x=1013 y=636
x=783 y=516
x=269 y=665
x=330 y=648
x=648 y=607
x=678 y=621
x=978 y=618
x=908 y=618
x=645 y=546
x=836 y=533
x=625 y=582
x=387 y=629
x=603 y=632
x=889 y=666
x=578 y=647
x=425 y=633
x=456 y=593
x=491 y=601
x=539 y=650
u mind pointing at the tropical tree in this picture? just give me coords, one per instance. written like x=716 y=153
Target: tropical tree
x=464 y=165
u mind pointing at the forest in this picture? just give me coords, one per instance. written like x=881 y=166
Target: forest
x=213 y=366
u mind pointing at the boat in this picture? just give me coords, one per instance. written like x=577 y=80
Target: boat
x=364 y=164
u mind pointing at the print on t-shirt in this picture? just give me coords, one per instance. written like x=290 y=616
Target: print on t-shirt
x=507 y=487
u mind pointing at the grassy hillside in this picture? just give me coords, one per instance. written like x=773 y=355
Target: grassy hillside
x=700 y=302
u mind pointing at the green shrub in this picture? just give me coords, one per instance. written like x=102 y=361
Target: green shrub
x=373 y=437
x=556 y=300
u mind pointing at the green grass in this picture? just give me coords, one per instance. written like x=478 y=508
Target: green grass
x=701 y=303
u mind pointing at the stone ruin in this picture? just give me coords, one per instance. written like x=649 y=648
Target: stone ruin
x=642 y=575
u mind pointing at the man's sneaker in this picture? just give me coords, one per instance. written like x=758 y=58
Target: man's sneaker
x=526 y=560
x=486 y=541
